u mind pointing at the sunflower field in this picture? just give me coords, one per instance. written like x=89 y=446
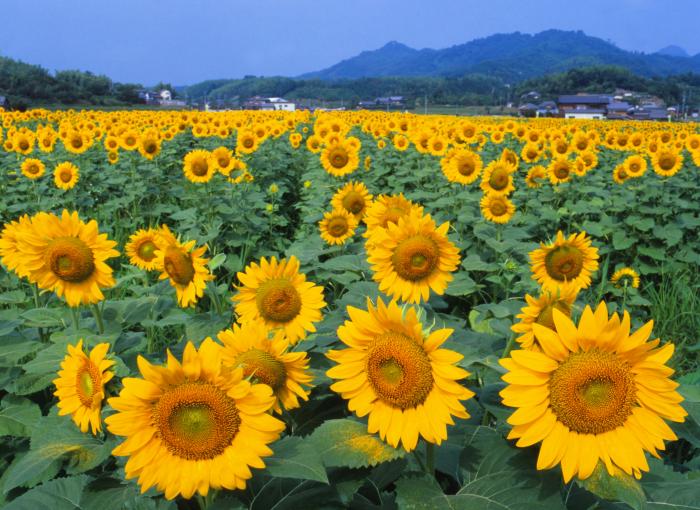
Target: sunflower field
x=286 y=310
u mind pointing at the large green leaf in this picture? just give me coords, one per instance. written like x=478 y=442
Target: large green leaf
x=295 y=457
x=18 y=416
x=347 y=443
x=59 y=494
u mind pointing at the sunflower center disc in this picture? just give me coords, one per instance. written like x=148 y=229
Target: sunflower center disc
x=666 y=162
x=147 y=250
x=546 y=316
x=592 y=392
x=263 y=367
x=200 y=167
x=66 y=176
x=338 y=158
x=564 y=263
x=466 y=167
x=70 y=259
x=278 y=300
x=87 y=380
x=498 y=208
x=196 y=421
x=415 y=258
x=353 y=202
x=178 y=265
x=337 y=227
x=499 y=179
x=399 y=370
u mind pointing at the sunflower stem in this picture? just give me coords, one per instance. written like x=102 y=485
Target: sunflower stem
x=35 y=292
x=430 y=458
x=76 y=317
x=98 y=318
x=509 y=346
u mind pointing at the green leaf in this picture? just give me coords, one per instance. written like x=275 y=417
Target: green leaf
x=60 y=494
x=669 y=490
x=621 y=241
x=43 y=318
x=217 y=261
x=346 y=443
x=18 y=416
x=621 y=487
x=295 y=457
x=57 y=438
x=461 y=285
x=47 y=360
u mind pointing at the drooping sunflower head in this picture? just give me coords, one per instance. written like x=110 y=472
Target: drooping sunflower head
x=540 y=311
x=565 y=262
x=497 y=208
x=184 y=266
x=67 y=256
x=536 y=176
x=141 y=249
x=354 y=197
x=80 y=385
x=65 y=175
x=413 y=257
x=595 y=393
x=392 y=368
x=625 y=277
x=202 y=421
x=497 y=178
x=199 y=166
x=33 y=168
x=387 y=209
x=265 y=358
x=337 y=226
x=276 y=293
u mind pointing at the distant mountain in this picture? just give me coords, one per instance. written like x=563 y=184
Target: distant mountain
x=511 y=57
x=673 y=51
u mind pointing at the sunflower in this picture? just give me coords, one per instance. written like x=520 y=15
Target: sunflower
x=339 y=159
x=193 y=426
x=387 y=209
x=141 y=249
x=530 y=152
x=184 y=266
x=620 y=174
x=565 y=262
x=594 y=393
x=464 y=167
x=129 y=140
x=246 y=142
x=539 y=311
x=559 y=171
x=313 y=143
x=354 y=197
x=199 y=166
x=23 y=143
x=625 y=277
x=635 y=166
x=268 y=361
x=497 y=178
x=223 y=160
x=536 y=176
x=398 y=375
x=437 y=145
x=149 y=145
x=80 y=385
x=276 y=293
x=401 y=143
x=10 y=255
x=667 y=162
x=113 y=157
x=66 y=175
x=67 y=256
x=412 y=257
x=33 y=168
x=77 y=142
x=337 y=226
x=497 y=208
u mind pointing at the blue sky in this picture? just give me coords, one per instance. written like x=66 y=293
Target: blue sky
x=184 y=42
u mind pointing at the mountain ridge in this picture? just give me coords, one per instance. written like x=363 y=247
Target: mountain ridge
x=512 y=57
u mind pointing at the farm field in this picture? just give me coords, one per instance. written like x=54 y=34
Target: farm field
x=347 y=310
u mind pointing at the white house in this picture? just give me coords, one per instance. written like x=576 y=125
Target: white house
x=280 y=103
